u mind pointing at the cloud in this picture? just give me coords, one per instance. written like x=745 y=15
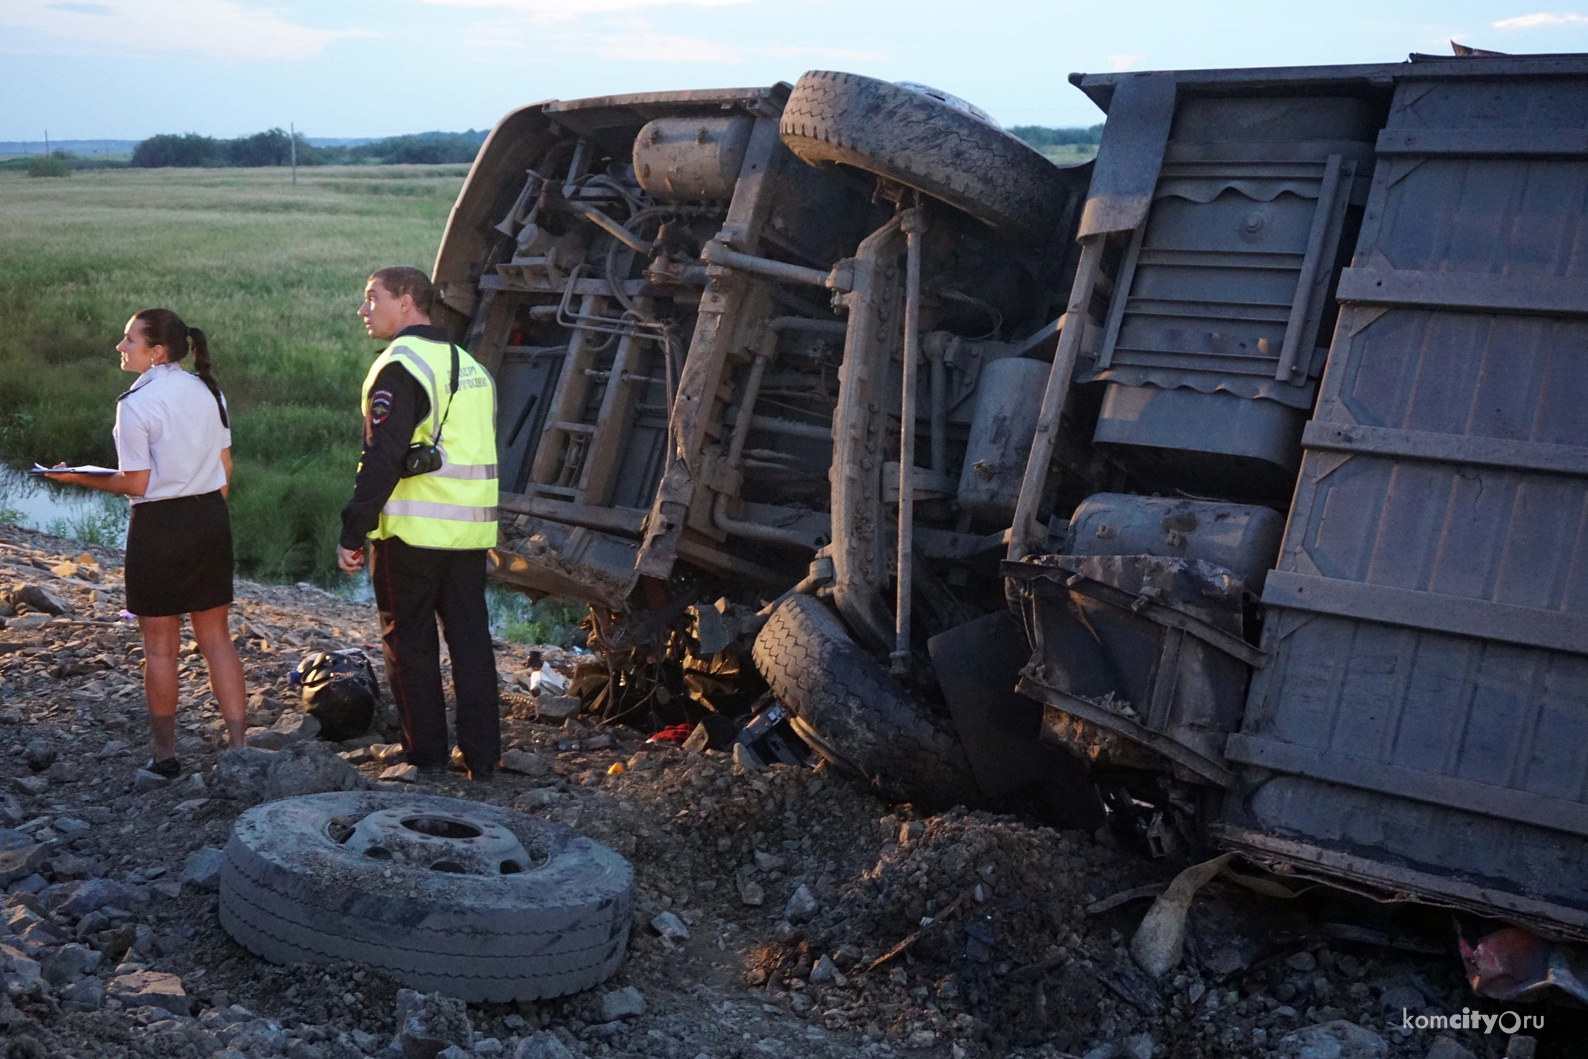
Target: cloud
x=568 y=10
x=221 y=29
x=1124 y=62
x=830 y=53
x=1543 y=18
x=651 y=47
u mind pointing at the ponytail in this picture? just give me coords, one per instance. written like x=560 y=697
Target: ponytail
x=162 y=327
x=201 y=364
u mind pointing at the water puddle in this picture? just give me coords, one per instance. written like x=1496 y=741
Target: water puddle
x=99 y=518
x=64 y=510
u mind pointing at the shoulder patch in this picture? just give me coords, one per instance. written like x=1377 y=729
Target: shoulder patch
x=379 y=406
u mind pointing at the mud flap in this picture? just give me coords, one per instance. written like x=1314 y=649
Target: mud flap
x=977 y=665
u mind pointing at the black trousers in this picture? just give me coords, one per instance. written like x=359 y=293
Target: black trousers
x=414 y=587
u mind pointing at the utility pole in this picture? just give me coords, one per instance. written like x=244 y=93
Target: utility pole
x=46 y=143
x=292 y=140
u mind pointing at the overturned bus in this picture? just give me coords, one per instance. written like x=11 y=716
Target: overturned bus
x=1269 y=425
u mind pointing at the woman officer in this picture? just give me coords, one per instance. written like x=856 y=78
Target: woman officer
x=173 y=445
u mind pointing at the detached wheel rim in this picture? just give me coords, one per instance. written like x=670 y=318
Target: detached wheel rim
x=454 y=843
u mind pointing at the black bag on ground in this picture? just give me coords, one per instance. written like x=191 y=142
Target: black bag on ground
x=340 y=691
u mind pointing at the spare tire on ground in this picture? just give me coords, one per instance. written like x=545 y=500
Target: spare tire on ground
x=853 y=714
x=440 y=894
x=915 y=139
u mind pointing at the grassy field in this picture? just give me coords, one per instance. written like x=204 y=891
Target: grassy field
x=1070 y=153
x=271 y=272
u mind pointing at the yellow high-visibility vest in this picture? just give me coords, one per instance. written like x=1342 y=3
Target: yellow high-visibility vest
x=454 y=507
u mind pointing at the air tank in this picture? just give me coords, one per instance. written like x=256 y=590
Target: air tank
x=1008 y=401
x=691 y=159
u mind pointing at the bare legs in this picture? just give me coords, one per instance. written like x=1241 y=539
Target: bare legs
x=162 y=637
x=162 y=641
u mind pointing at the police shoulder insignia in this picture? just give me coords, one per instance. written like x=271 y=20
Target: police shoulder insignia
x=379 y=406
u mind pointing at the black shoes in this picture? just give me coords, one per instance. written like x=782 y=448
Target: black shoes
x=170 y=768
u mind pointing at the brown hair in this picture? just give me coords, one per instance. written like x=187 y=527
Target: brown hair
x=162 y=327
x=400 y=279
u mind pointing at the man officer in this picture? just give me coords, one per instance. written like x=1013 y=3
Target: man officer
x=425 y=497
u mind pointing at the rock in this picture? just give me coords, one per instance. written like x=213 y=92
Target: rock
x=1448 y=1048
x=747 y=758
x=489 y=1046
x=1403 y=998
x=525 y=763
x=144 y=781
x=824 y=970
x=90 y=895
x=540 y=798
x=85 y=995
x=1301 y=961
x=243 y=774
x=386 y=752
x=10 y=840
x=429 y=1023
x=768 y=861
x=750 y=891
x=1335 y=1040
x=69 y=825
x=150 y=989
x=32 y=786
x=38 y=755
x=621 y=1004
x=400 y=774
x=670 y=927
x=112 y=748
x=557 y=707
x=1521 y=1046
x=20 y=863
x=203 y=868
x=18 y=972
x=62 y=772
x=39 y=598
x=801 y=906
x=308 y=767
x=356 y=756
x=68 y=963
x=290 y=728
x=543 y=1044
x=451 y=1051
x=11 y=810
x=1139 y=1046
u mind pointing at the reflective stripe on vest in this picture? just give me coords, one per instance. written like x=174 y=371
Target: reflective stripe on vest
x=431 y=509
x=453 y=507
x=469 y=472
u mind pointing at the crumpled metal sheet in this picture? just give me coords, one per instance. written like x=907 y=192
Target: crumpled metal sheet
x=1516 y=964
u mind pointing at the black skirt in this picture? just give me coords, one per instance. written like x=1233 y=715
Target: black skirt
x=179 y=555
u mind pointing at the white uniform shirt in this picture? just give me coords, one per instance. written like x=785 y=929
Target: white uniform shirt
x=168 y=424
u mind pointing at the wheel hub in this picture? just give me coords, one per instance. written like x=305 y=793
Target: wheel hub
x=446 y=842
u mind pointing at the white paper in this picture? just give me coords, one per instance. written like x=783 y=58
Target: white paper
x=87 y=468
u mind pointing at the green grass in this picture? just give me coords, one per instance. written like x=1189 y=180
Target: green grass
x=1069 y=153
x=271 y=272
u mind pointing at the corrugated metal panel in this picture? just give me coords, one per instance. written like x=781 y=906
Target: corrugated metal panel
x=1222 y=291
x=1427 y=703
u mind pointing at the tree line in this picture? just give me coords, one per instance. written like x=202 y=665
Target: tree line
x=1040 y=136
x=274 y=147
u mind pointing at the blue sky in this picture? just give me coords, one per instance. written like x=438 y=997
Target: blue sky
x=130 y=68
